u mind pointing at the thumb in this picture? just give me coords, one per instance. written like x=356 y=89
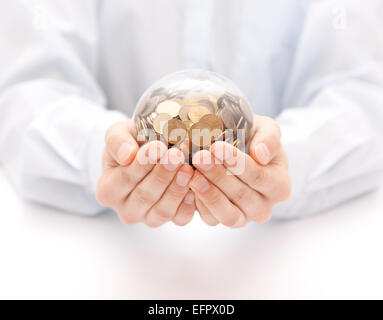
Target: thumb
x=120 y=144
x=266 y=142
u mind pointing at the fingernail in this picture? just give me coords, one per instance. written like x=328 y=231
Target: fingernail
x=262 y=153
x=189 y=199
x=201 y=184
x=124 y=152
x=156 y=152
x=203 y=161
x=224 y=152
x=174 y=159
x=183 y=179
x=219 y=150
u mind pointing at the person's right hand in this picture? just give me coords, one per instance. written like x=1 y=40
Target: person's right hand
x=148 y=184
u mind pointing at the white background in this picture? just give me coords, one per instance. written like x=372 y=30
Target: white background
x=48 y=254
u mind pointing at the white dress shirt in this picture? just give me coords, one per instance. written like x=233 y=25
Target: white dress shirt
x=70 y=68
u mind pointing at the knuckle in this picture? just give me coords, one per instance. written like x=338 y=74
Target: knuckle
x=104 y=196
x=212 y=223
x=176 y=193
x=288 y=188
x=153 y=225
x=110 y=139
x=163 y=214
x=126 y=176
x=126 y=218
x=285 y=190
x=279 y=132
x=108 y=133
x=209 y=220
x=240 y=194
x=143 y=195
x=213 y=197
x=263 y=216
x=270 y=121
x=258 y=176
x=231 y=220
x=274 y=124
x=275 y=134
x=162 y=177
x=241 y=224
x=217 y=176
x=180 y=223
x=282 y=190
x=275 y=141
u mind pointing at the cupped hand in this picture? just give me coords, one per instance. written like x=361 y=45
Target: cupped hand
x=147 y=184
x=233 y=188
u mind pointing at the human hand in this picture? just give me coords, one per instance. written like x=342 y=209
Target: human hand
x=147 y=184
x=233 y=188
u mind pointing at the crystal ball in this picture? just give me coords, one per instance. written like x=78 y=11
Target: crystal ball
x=192 y=109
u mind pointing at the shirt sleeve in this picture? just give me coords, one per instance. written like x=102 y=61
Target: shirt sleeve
x=52 y=112
x=333 y=107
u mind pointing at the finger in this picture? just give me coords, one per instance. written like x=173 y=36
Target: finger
x=271 y=181
x=120 y=144
x=267 y=140
x=166 y=208
x=116 y=183
x=152 y=187
x=186 y=210
x=255 y=206
x=217 y=203
x=205 y=214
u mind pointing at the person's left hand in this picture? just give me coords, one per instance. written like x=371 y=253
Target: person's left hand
x=233 y=188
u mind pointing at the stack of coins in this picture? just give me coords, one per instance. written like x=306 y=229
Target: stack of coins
x=193 y=120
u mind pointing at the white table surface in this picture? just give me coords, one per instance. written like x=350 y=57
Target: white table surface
x=48 y=254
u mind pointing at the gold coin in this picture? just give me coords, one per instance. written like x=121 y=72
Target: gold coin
x=160 y=121
x=188 y=124
x=184 y=116
x=232 y=97
x=207 y=104
x=196 y=113
x=199 y=100
x=174 y=131
x=213 y=100
x=227 y=119
x=215 y=125
x=220 y=137
x=137 y=125
x=240 y=123
x=222 y=103
x=214 y=122
x=150 y=119
x=190 y=102
x=170 y=107
x=228 y=101
x=200 y=134
x=228 y=136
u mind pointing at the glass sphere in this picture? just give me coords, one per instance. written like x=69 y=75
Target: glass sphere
x=192 y=109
